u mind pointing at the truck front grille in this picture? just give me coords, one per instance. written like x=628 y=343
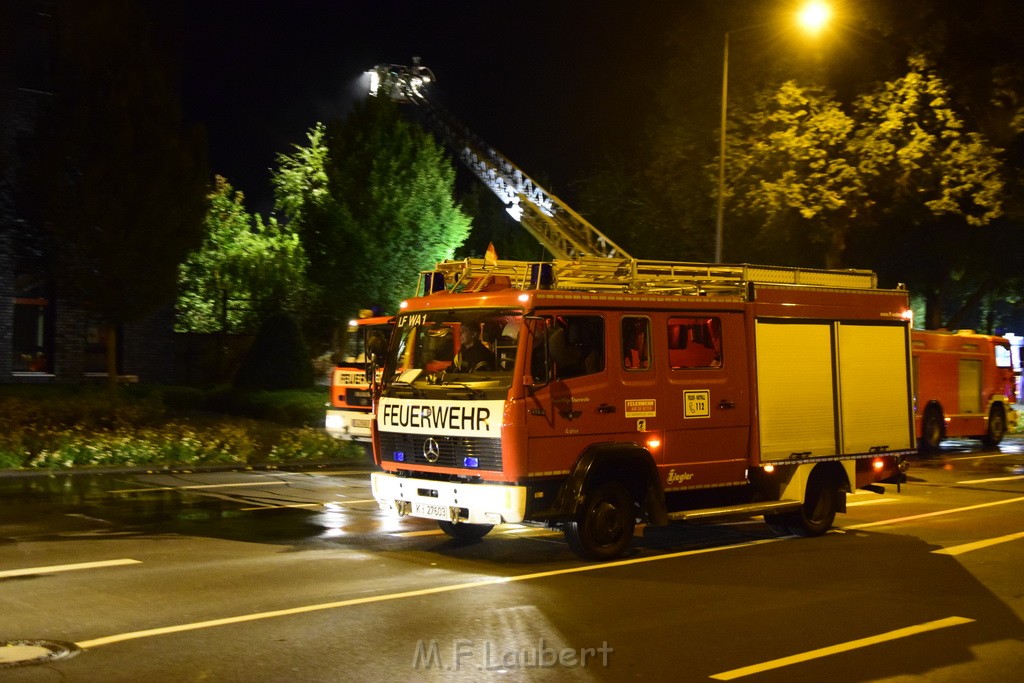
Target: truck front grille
x=453 y=451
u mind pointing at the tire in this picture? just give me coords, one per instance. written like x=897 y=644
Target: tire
x=465 y=531
x=996 y=427
x=931 y=431
x=821 y=502
x=604 y=527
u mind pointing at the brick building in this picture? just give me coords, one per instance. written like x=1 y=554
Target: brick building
x=46 y=336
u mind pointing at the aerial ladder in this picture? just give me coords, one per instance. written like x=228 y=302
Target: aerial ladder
x=558 y=228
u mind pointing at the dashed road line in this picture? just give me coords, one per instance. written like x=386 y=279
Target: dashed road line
x=977 y=545
x=53 y=569
x=841 y=647
x=190 y=487
x=281 y=506
x=987 y=481
x=493 y=581
x=898 y=520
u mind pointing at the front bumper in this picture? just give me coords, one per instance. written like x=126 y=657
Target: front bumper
x=449 y=501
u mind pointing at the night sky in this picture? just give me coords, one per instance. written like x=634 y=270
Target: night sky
x=550 y=84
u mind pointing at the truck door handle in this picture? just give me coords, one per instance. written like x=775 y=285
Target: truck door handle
x=605 y=408
x=726 y=404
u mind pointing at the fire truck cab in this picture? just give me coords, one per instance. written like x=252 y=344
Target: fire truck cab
x=963 y=387
x=350 y=409
x=620 y=392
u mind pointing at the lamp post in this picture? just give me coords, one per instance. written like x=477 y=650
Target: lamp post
x=812 y=17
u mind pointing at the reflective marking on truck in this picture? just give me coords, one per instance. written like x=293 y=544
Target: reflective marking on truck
x=433 y=417
x=641 y=407
x=697 y=403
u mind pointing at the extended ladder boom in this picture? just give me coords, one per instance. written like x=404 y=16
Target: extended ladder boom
x=562 y=231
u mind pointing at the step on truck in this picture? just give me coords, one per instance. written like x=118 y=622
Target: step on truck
x=614 y=392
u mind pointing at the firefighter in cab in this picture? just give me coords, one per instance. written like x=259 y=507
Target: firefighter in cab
x=472 y=355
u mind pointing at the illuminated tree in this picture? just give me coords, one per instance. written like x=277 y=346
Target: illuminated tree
x=372 y=200
x=935 y=185
x=793 y=174
x=245 y=269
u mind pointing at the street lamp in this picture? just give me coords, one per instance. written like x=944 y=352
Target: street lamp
x=812 y=17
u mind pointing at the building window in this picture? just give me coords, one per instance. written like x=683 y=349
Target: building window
x=33 y=324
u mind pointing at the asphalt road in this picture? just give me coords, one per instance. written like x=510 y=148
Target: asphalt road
x=245 y=576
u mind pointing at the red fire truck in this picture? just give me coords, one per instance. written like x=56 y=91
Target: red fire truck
x=350 y=410
x=963 y=386
x=620 y=391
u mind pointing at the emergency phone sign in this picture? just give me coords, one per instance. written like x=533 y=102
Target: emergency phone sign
x=697 y=403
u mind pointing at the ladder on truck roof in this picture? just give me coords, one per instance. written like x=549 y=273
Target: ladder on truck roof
x=632 y=276
x=558 y=228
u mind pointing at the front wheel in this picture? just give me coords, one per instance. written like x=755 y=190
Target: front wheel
x=604 y=527
x=465 y=531
x=996 y=427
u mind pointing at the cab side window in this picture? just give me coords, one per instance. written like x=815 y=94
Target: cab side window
x=575 y=345
x=636 y=343
x=694 y=343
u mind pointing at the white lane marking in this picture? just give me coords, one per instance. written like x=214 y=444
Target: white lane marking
x=870 y=502
x=108 y=640
x=202 y=486
x=841 y=647
x=411 y=534
x=53 y=569
x=982 y=457
x=985 y=481
x=977 y=545
x=282 y=506
x=951 y=511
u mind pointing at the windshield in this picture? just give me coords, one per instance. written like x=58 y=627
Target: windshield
x=474 y=347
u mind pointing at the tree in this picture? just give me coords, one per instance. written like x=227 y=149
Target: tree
x=792 y=169
x=118 y=181
x=372 y=200
x=245 y=269
x=932 y=181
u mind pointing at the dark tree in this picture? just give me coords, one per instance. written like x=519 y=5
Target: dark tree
x=117 y=180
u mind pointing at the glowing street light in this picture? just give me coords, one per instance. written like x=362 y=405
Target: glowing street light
x=812 y=17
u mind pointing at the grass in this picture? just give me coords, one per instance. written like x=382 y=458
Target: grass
x=57 y=427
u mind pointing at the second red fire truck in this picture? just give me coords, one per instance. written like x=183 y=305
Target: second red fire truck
x=963 y=386
x=350 y=410
x=618 y=391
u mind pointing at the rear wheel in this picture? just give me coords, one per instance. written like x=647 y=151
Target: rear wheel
x=821 y=502
x=815 y=516
x=465 y=531
x=996 y=427
x=931 y=431
x=604 y=527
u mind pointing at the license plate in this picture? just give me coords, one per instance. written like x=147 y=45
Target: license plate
x=362 y=424
x=431 y=511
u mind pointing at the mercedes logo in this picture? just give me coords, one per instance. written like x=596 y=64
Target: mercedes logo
x=431 y=451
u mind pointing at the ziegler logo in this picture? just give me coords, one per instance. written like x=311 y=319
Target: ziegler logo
x=674 y=478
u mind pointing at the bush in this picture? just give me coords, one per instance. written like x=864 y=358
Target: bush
x=59 y=427
x=278 y=357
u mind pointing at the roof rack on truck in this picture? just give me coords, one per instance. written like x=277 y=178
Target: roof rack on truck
x=632 y=275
